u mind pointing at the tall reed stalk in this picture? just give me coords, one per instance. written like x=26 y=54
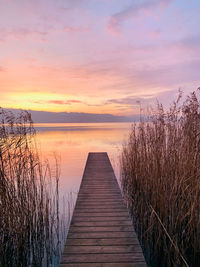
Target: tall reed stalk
x=29 y=219
x=160 y=177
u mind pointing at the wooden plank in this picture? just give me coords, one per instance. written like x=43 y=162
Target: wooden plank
x=104 y=196
x=103 y=223
x=100 y=207
x=101 y=210
x=100 y=198
x=100 y=195
x=88 y=229
x=101 y=214
x=102 y=241
x=104 y=188
x=94 y=258
x=102 y=249
x=124 y=264
x=98 y=202
x=101 y=235
x=101 y=231
x=98 y=219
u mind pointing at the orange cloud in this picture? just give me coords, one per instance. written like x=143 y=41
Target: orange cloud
x=67 y=102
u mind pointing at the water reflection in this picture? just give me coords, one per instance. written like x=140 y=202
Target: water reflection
x=73 y=142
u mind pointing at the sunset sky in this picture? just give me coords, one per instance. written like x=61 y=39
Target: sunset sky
x=97 y=56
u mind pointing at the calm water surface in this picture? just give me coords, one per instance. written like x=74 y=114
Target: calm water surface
x=72 y=143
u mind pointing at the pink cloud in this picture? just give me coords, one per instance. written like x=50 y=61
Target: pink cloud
x=155 y=34
x=75 y=29
x=2 y=69
x=22 y=33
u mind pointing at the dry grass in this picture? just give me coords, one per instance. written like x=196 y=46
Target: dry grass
x=160 y=176
x=29 y=210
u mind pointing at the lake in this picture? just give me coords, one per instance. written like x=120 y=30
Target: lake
x=73 y=141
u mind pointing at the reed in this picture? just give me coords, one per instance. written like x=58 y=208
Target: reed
x=160 y=178
x=29 y=195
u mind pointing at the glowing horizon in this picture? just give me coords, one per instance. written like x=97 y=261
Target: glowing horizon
x=97 y=56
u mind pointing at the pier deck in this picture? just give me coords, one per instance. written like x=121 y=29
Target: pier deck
x=101 y=231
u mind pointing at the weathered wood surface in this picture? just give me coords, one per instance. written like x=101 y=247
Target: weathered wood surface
x=101 y=232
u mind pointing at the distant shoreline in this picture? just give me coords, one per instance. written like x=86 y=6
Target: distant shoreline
x=76 y=117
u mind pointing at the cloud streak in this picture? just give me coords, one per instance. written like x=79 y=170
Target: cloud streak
x=67 y=102
x=22 y=33
x=190 y=42
x=145 y=101
x=135 y=9
x=59 y=102
x=75 y=29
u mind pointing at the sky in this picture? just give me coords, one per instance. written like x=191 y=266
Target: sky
x=97 y=56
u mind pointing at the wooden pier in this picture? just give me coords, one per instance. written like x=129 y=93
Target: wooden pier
x=101 y=231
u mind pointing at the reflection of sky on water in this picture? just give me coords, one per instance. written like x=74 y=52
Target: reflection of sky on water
x=73 y=142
